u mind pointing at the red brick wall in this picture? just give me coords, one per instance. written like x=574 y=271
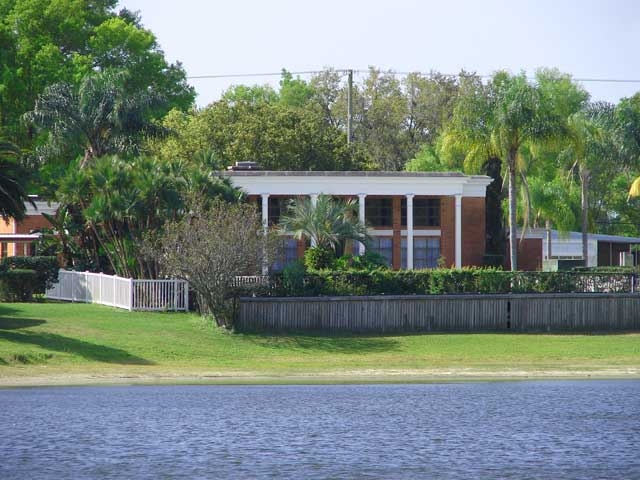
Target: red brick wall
x=448 y=230
x=32 y=222
x=473 y=231
x=529 y=254
x=26 y=226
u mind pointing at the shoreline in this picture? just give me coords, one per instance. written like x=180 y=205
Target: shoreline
x=377 y=376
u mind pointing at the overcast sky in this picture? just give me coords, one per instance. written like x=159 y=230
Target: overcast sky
x=588 y=39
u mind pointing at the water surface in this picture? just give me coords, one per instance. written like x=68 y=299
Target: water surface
x=520 y=430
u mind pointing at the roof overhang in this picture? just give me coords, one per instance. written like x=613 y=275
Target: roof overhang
x=355 y=183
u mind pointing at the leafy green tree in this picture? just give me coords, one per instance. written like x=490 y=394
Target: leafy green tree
x=96 y=119
x=121 y=201
x=44 y=42
x=295 y=92
x=12 y=191
x=328 y=224
x=277 y=136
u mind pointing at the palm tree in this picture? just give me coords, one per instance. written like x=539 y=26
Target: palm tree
x=100 y=117
x=499 y=120
x=583 y=132
x=12 y=193
x=327 y=224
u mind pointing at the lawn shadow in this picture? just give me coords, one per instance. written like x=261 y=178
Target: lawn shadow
x=6 y=310
x=11 y=323
x=346 y=343
x=59 y=343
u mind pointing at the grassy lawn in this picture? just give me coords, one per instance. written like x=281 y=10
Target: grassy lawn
x=44 y=339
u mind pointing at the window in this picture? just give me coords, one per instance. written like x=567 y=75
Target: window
x=384 y=247
x=277 y=206
x=379 y=212
x=426 y=212
x=287 y=253
x=426 y=252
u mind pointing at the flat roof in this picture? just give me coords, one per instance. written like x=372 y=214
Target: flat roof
x=577 y=236
x=359 y=173
x=267 y=182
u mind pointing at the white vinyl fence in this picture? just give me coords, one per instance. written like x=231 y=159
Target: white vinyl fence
x=156 y=295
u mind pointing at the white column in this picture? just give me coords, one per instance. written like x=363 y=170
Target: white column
x=265 y=210
x=409 y=231
x=361 y=216
x=458 y=231
x=265 y=226
x=314 y=202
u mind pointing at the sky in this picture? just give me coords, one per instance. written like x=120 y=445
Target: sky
x=588 y=39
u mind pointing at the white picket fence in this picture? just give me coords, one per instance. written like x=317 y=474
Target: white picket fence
x=155 y=295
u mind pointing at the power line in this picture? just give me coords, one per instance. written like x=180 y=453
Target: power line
x=345 y=71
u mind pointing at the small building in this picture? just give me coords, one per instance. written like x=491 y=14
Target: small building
x=17 y=239
x=539 y=247
x=415 y=219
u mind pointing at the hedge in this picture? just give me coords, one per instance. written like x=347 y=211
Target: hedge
x=46 y=269
x=444 y=282
x=16 y=285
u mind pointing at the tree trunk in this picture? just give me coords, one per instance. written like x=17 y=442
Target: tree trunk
x=495 y=225
x=585 y=176
x=547 y=226
x=513 y=245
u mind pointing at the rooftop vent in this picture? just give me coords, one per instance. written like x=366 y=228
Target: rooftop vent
x=239 y=166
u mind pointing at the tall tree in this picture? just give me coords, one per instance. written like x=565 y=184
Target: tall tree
x=583 y=135
x=43 y=42
x=98 y=118
x=500 y=119
x=247 y=125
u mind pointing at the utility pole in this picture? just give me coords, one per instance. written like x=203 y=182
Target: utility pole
x=349 y=105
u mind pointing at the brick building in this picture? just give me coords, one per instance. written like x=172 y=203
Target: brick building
x=17 y=239
x=414 y=219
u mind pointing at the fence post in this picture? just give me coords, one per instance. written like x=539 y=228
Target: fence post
x=130 y=294
x=186 y=295
x=175 y=295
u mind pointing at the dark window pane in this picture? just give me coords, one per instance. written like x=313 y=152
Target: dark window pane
x=426 y=212
x=379 y=212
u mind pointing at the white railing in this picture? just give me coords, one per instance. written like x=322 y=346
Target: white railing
x=251 y=280
x=156 y=295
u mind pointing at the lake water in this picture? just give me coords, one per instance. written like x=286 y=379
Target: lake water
x=520 y=430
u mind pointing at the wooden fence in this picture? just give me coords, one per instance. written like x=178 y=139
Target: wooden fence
x=442 y=313
x=156 y=295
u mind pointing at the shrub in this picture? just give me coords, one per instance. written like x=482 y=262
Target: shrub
x=319 y=258
x=293 y=278
x=441 y=281
x=16 y=285
x=46 y=269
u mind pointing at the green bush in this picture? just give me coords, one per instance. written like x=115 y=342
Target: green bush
x=293 y=278
x=318 y=258
x=46 y=269
x=17 y=285
x=442 y=281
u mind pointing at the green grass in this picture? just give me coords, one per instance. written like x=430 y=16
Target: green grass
x=39 y=339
